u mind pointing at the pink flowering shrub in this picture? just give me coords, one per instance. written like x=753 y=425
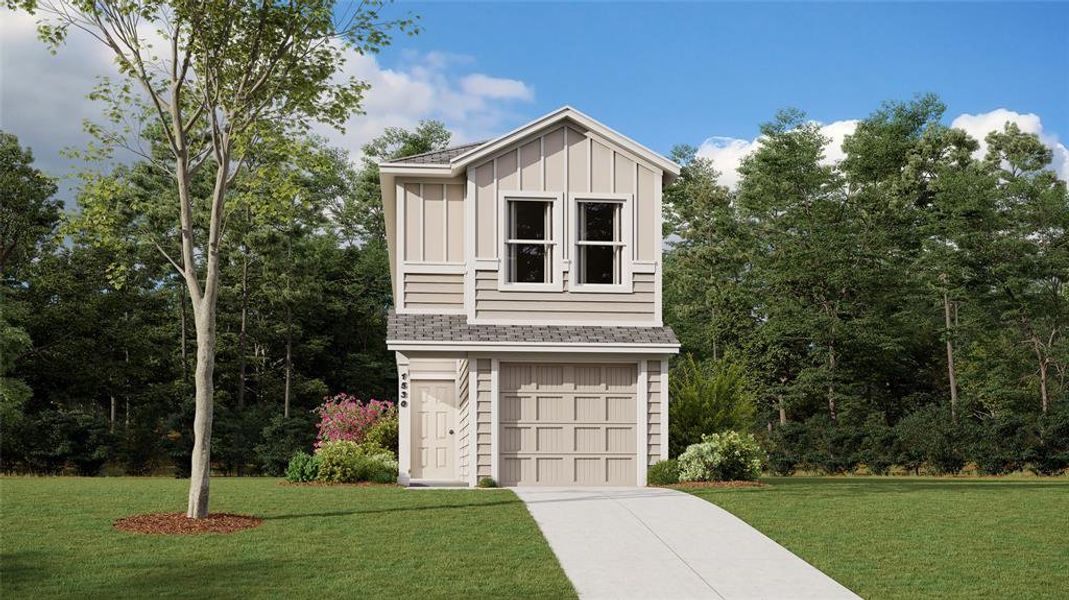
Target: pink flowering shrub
x=347 y=418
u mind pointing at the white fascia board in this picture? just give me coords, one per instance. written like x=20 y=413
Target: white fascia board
x=407 y=346
x=415 y=170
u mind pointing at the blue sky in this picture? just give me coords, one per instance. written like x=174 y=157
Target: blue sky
x=670 y=73
x=706 y=74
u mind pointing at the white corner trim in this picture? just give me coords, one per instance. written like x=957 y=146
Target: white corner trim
x=664 y=409
x=641 y=424
x=495 y=420
x=404 y=428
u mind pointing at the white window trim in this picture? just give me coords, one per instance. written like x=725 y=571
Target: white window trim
x=627 y=234
x=557 y=268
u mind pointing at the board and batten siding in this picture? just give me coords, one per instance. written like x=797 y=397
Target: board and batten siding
x=431 y=232
x=566 y=160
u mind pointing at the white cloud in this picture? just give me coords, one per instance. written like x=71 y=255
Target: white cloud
x=727 y=153
x=43 y=97
x=495 y=87
x=979 y=125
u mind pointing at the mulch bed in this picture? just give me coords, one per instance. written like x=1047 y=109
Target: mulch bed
x=717 y=484
x=359 y=484
x=180 y=524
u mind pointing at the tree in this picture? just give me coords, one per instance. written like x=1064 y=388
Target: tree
x=228 y=73
x=28 y=212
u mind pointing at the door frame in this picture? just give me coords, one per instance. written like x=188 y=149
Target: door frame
x=406 y=467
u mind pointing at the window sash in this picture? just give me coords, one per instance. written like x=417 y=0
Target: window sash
x=511 y=243
x=616 y=243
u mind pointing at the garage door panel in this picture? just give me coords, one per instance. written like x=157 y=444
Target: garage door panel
x=511 y=439
x=550 y=439
x=550 y=470
x=589 y=439
x=590 y=408
x=620 y=471
x=554 y=408
x=619 y=439
x=568 y=424
x=621 y=409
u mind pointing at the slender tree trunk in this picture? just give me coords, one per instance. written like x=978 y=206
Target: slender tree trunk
x=114 y=412
x=204 y=318
x=242 y=334
x=782 y=412
x=1044 y=400
x=182 y=337
x=951 y=375
x=831 y=382
x=289 y=365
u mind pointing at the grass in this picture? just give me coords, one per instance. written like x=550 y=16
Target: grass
x=57 y=540
x=923 y=537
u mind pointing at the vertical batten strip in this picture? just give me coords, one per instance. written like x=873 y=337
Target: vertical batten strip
x=422 y=226
x=642 y=440
x=445 y=223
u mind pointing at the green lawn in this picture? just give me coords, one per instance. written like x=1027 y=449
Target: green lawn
x=919 y=538
x=57 y=540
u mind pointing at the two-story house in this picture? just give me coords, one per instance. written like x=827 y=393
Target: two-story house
x=527 y=328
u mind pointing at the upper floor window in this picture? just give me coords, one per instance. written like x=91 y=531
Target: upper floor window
x=600 y=243
x=529 y=241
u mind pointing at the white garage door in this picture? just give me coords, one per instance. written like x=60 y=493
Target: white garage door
x=567 y=424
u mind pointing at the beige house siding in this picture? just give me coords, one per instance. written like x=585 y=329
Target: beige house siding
x=566 y=160
x=483 y=449
x=491 y=303
x=433 y=220
x=463 y=422
x=654 y=411
x=434 y=292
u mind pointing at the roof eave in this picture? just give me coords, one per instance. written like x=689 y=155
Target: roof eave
x=508 y=346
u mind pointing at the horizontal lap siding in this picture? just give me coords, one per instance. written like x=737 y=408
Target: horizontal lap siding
x=491 y=303
x=463 y=422
x=654 y=410
x=434 y=291
x=565 y=160
x=483 y=448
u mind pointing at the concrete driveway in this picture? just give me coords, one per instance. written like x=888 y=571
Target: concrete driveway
x=660 y=543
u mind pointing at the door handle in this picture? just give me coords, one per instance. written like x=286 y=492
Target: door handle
x=450 y=432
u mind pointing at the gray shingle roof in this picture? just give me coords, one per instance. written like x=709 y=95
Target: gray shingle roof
x=438 y=157
x=455 y=328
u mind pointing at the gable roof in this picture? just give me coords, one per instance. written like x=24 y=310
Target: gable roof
x=410 y=330
x=453 y=161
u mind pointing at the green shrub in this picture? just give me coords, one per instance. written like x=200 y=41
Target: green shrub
x=383 y=432
x=344 y=461
x=729 y=456
x=929 y=436
x=281 y=438
x=1049 y=454
x=707 y=397
x=832 y=447
x=487 y=482
x=303 y=467
x=878 y=445
x=1000 y=444
x=786 y=448
x=665 y=472
x=76 y=439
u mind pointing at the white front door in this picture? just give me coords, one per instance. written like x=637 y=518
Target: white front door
x=434 y=422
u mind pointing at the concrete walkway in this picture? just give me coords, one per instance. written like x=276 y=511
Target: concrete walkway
x=660 y=543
